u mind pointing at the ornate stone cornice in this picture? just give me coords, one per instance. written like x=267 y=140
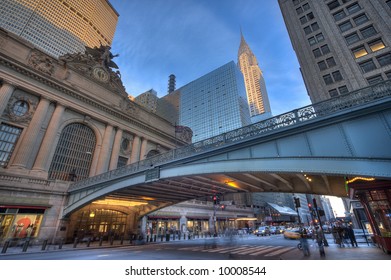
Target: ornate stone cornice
x=131 y=110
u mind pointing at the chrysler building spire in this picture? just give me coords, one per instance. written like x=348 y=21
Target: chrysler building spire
x=258 y=99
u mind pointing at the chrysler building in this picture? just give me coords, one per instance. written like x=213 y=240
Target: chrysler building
x=258 y=99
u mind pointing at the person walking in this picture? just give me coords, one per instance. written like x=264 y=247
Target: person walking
x=304 y=242
x=319 y=239
x=351 y=235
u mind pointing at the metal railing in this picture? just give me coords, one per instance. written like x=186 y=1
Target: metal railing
x=287 y=120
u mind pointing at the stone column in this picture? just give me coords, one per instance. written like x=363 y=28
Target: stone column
x=6 y=91
x=143 y=150
x=135 y=156
x=42 y=161
x=30 y=136
x=105 y=150
x=115 y=151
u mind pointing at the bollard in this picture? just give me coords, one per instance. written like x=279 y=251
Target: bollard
x=60 y=244
x=100 y=240
x=122 y=239
x=45 y=242
x=75 y=242
x=154 y=238
x=88 y=242
x=26 y=245
x=5 y=247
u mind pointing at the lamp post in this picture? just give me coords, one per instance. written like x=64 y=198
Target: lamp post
x=320 y=222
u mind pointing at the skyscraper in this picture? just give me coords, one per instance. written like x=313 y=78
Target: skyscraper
x=60 y=27
x=258 y=100
x=214 y=103
x=341 y=45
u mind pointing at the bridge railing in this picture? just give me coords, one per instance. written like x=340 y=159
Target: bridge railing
x=289 y=119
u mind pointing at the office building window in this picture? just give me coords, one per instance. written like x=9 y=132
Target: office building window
x=333 y=5
x=312 y=41
x=317 y=53
x=376 y=45
x=322 y=65
x=306 y=7
x=310 y=16
x=343 y=90
x=367 y=66
x=337 y=76
x=328 y=79
x=339 y=15
x=358 y=20
x=9 y=135
x=374 y=80
x=122 y=161
x=368 y=31
x=345 y=26
x=319 y=37
x=330 y=62
x=307 y=30
x=314 y=26
x=303 y=20
x=384 y=59
x=359 y=52
x=353 y=8
x=325 y=49
x=388 y=2
x=333 y=92
x=299 y=10
x=352 y=38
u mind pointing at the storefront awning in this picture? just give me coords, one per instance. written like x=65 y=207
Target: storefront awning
x=164 y=217
x=197 y=217
x=283 y=210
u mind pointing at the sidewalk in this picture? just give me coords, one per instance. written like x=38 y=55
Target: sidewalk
x=364 y=251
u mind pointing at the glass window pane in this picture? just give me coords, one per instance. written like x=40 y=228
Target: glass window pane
x=384 y=59
x=8 y=138
x=359 y=52
x=345 y=26
x=310 y=16
x=331 y=62
x=339 y=15
x=353 y=8
x=352 y=38
x=333 y=5
x=367 y=66
x=303 y=20
x=327 y=79
x=320 y=37
x=360 y=19
x=343 y=90
x=368 y=32
x=333 y=93
x=317 y=53
x=376 y=45
x=337 y=76
x=374 y=80
x=325 y=49
x=307 y=30
x=322 y=65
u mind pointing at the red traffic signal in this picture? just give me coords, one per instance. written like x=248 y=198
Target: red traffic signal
x=309 y=206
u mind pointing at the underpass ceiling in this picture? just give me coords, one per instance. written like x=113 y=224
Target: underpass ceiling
x=178 y=189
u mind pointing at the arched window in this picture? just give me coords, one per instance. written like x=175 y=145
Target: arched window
x=73 y=156
x=152 y=153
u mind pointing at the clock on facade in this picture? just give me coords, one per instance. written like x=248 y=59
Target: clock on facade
x=100 y=74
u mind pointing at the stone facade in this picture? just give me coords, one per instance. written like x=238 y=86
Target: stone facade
x=40 y=98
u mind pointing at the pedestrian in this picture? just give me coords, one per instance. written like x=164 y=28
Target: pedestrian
x=351 y=235
x=319 y=239
x=304 y=242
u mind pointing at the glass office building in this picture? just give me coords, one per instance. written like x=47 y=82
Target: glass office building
x=215 y=103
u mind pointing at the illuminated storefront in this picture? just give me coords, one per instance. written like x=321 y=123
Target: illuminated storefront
x=18 y=223
x=375 y=196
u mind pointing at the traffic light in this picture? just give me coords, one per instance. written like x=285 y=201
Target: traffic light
x=223 y=207
x=297 y=202
x=215 y=199
x=310 y=207
x=315 y=204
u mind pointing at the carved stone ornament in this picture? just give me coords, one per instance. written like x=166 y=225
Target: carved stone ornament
x=41 y=62
x=96 y=63
x=20 y=109
x=184 y=133
x=128 y=107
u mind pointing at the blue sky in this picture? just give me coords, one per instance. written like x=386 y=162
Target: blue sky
x=190 y=38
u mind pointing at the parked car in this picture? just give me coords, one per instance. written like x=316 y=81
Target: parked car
x=292 y=233
x=264 y=230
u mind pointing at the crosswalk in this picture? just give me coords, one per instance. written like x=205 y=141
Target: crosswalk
x=243 y=250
